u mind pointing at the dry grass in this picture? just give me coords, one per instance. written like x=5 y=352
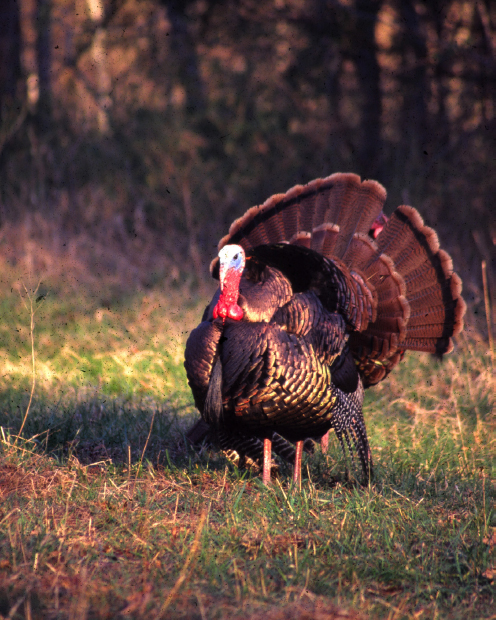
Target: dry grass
x=80 y=540
x=106 y=511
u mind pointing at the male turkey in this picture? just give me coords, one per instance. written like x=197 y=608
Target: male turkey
x=312 y=309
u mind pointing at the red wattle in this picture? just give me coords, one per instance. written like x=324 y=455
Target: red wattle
x=227 y=306
x=231 y=310
x=235 y=312
x=220 y=309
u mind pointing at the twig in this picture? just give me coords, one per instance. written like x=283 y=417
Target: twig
x=18 y=603
x=146 y=443
x=185 y=571
x=32 y=312
x=131 y=490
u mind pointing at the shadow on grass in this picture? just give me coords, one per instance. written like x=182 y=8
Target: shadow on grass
x=123 y=432
x=101 y=428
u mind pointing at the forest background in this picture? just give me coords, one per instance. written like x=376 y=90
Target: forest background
x=133 y=132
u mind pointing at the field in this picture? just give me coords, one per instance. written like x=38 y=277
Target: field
x=106 y=511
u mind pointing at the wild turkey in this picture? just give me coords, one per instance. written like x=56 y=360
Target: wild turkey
x=312 y=309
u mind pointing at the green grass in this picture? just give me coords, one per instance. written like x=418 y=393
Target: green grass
x=107 y=512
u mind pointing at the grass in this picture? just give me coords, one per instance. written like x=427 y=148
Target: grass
x=107 y=512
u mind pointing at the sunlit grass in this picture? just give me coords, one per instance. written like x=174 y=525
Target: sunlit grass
x=133 y=348
x=102 y=499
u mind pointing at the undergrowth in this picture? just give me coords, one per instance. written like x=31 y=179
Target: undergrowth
x=106 y=511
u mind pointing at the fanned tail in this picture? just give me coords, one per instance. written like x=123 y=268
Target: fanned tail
x=396 y=292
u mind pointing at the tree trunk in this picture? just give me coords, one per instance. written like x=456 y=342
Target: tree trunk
x=10 y=53
x=415 y=85
x=103 y=81
x=183 y=47
x=44 y=54
x=368 y=72
x=442 y=122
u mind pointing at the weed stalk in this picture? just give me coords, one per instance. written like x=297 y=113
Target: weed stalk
x=186 y=567
x=487 y=305
x=32 y=311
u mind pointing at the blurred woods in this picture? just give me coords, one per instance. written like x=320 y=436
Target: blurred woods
x=132 y=132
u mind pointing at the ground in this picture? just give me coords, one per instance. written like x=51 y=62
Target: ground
x=106 y=511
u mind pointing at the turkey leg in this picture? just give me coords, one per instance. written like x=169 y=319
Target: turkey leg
x=267 y=460
x=297 y=464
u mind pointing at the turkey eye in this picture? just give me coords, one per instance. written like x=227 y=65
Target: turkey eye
x=235 y=257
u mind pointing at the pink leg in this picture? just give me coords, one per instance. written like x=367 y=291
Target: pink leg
x=297 y=464
x=324 y=442
x=267 y=460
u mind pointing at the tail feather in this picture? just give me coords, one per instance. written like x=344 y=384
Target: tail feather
x=302 y=238
x=340 y=199
x=428 y=345
x=321 y=213
x=360 y=250
x=306 y=211
x=274 y=227
x=324 y=238
x=432 y=289
x=428 y=317
x=362 y=204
